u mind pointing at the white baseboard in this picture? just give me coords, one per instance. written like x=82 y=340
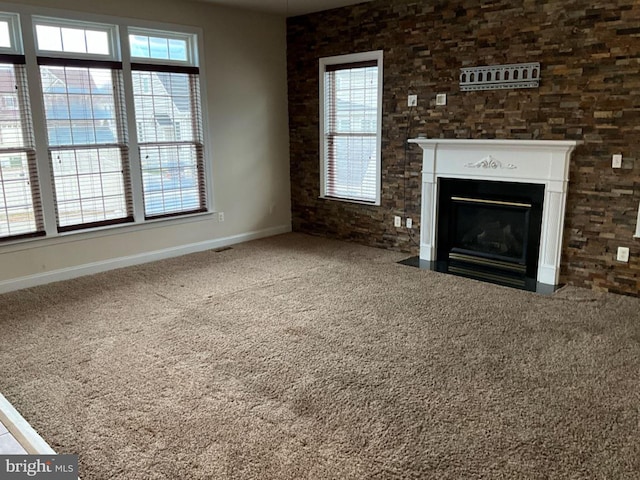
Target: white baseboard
x=111 y=264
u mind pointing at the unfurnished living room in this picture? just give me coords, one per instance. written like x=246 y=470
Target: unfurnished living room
x=320 y=239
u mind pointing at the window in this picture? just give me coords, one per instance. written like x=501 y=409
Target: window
x=350 y=124
x=90 y=92
x=88 y=156
x=52 y=36
x=20 y=208
x=10 y=40
x=83 y=102
x=157 y=46
x=165 y=88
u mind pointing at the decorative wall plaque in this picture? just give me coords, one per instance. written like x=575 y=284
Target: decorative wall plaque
x=518 y=75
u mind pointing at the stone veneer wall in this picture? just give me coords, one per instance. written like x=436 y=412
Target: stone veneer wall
x=589 y=90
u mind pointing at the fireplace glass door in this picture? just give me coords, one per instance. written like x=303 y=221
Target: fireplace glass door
x=490 y=230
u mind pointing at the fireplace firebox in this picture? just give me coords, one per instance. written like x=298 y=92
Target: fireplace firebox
x=490 y=230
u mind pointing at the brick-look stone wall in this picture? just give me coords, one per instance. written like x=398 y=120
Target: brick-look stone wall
x=590 y=90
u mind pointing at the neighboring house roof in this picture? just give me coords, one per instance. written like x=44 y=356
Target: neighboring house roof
x=71 y=80
x=80 y=135
x=177 y=86
x=8 y=84
x=72 y=94
x=78 y=108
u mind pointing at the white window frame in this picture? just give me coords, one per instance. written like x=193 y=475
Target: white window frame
x=13 y=20
x=190 y=38
x=376 y=55
x=110 y=29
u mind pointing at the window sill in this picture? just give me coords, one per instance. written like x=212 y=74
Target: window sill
x=349 y=200
x=101 y=232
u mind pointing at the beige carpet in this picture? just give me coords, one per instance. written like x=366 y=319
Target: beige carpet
x=302 y=358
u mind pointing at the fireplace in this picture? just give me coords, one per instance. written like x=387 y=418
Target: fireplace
x=494 y=209
x=490 y=230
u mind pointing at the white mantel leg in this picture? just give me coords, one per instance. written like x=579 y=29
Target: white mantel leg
x=553 y=212
x=428 y=222
x=428 y=219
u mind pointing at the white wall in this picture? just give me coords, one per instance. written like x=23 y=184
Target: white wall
x=245 y=68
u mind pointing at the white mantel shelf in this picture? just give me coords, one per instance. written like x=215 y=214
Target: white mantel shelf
x=495 y=141
x=527 y=161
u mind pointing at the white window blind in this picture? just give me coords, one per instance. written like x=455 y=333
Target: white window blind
x=20 y=206
x=167 y=109
x=88 y=156
x=351 y=130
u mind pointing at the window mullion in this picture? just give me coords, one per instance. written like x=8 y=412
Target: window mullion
x=135 y=172
x=45 y=174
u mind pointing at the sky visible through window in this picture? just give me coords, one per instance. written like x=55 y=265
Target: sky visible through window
x=72 y=40
x=5 y=38
x=144 y=46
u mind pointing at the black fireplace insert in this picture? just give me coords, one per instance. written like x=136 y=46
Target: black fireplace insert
x=490 y=230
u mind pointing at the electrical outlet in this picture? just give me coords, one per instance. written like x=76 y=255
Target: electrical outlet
x=220 y=217
x=616 y=161
x=409 y=223
x=441 y=99
x=623 y=254
x=412 y=100
x=397 y=221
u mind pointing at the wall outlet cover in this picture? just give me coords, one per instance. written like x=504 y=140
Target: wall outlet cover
x=397 y=221
x=616 y=161
x=623 y=254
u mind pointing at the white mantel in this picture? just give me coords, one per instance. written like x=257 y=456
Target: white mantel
x=527 y=161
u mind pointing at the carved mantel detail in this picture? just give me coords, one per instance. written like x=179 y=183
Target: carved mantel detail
x=490 y=162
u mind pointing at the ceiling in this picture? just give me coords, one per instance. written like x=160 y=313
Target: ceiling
x=289 y=8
